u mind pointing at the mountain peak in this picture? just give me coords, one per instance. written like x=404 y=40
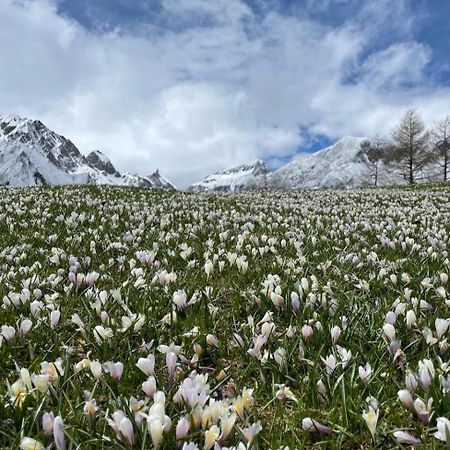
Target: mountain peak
x=13 y=118
x=20 y=124
x=31 y=154
x=100 y=161
x=258 y=167
x=350 y=140
x=346 y=148
x=11 y=124
x=340 y=165
x=239 y=178
x=160 y=181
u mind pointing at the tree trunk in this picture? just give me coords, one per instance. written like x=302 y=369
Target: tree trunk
x=411 y=171
x=445 y=166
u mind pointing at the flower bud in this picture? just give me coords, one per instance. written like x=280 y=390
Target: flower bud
x=406 y=398
x=335 y=333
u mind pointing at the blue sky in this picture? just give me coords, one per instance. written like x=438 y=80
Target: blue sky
x=432 y=24
x=194 y=86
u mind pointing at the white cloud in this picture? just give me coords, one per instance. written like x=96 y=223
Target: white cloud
x=194 y=99
x=219 y=11
x=399 y=64
x=323 y=5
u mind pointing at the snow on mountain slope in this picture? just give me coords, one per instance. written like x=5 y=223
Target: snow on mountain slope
x=22 y=166
x=155 y=180
x=342 y=165
x=31 y=154
x=248 y=176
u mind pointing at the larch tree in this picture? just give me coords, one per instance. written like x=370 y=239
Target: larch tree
x=410 y=151
x=441 y=142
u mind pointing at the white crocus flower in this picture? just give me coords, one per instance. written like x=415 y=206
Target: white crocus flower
x=441 y=326
x=345 y=355
x=211 y=437
x=411 y=318
x=116 y=371
x=406 y=398
x=126 y=429
x=212 y=340
x=180 y=300
x=443 y=432
x=96 y=369
x=335 y=334
x=182 y=428
x=330 y=363
x=58 y=433
x=147 y=365
x=313 y=426
x=28 y=443
x=405 y=438
x=365 y=373
x=8 y=332
x=423 y=410
x=227 y=422
x=389 y=331
x=371 y=419
x=25 y=326
x=54 y=318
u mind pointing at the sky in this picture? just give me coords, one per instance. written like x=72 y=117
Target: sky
x=195 y=86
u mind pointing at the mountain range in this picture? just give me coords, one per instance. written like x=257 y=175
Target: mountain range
x=344 y=164
x=31 y=154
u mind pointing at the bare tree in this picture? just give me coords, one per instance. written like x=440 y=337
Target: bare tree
x=410 y=151
x=441 y=142
x=375 y=151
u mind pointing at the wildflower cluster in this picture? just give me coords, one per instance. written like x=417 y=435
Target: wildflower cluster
x=145 y=319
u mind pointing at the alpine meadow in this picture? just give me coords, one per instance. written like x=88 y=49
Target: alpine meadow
x=134 y=318
x=224 y=224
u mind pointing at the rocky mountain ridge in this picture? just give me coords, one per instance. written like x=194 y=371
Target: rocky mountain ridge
x=31 y=154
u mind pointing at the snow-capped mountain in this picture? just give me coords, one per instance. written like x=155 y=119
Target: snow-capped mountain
x=31 y=154
x=342 y=165
x=102 y=171
x=159 y=181
x=248 y=176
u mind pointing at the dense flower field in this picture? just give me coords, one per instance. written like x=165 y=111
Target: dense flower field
x=145 y=319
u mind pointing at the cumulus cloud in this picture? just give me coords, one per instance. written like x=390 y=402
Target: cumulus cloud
x=216 y=86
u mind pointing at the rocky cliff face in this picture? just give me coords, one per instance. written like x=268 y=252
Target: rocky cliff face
x=97 y=160
x=159 y=181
